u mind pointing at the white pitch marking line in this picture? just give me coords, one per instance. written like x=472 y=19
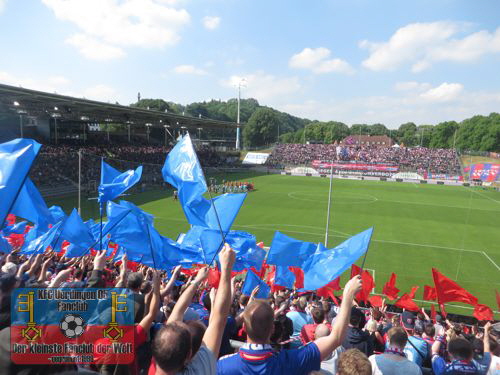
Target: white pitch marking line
x=491 y=260
x=483 y=195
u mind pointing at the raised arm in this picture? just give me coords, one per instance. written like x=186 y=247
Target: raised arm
x=220 y=309
x=187 y=296
x=328 y=344
x=122 y=279
x=170 y=282
x=486 y=337
x=154 y=305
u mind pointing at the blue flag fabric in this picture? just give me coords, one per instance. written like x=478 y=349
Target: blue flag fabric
x=183 y=171
x=288 y=251
x=115 y=183
x=252 y=281
x=57 y=214
x=16 y=158
x=248 y=254
x=31 y=205
x=5 y=246
x=284 y=277
x=77 y=233
x=40 y=244
x=326 y=265
x=17 y=228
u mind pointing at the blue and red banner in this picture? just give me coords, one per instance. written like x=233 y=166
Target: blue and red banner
x=487 y=172
x=72 y=326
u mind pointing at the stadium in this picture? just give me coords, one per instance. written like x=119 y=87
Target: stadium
x=229 y=237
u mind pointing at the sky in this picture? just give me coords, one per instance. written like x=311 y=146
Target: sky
x=357 y=61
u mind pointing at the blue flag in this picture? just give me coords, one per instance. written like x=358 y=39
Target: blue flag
x=284 y=277
x=248 y=254
x=77 y=233
x=17 y=228
x=287 y=251
x=183 y=171
x=252 y=281
x=326 y=265
x=5 y=246
x=57 y=213
x=40 y=244
x=16 y=158
x=31 y=205
x=115 y=183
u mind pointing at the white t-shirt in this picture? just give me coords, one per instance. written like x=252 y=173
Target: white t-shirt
x=383 y=364
x=494 y=366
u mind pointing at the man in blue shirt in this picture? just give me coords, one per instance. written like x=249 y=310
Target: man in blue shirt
x=257 y=355
x=417 y=349
x=460 y=351
x=299 y=319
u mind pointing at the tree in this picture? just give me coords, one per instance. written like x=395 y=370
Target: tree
x=378 y=129
x=406 y=134
x=443 y=135
x=262 y=128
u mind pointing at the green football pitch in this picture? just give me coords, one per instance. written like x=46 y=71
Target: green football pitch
x=417 y=226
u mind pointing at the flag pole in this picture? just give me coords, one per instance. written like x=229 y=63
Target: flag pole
x=80 y=182
x=329 y=204
x=366 y=253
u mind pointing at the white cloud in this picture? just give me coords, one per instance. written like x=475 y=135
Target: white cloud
x=100 y=92
x=316 y=60
x=2 y=5
x=119 y=24
x=189 y=69
x=50 y=84
x=412 y=86
x=211 y=22
x=422 y=44
x=93 y=49
x=264 y=87
x=444 y=92
x=419 y=104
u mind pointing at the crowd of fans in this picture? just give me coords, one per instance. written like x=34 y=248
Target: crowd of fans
x=58 y=165
x=187 y=324
x=415 y=159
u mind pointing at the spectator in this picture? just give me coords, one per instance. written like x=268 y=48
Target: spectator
x=393 y=361
x=356 y=337
x=417 y=349
x=352 y=362
x=257 y=356
x=299 y=319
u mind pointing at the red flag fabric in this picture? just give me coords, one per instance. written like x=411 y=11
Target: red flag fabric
x=213 y=278
x=433 y=313
x=327 y=293
x=406 y=302
x=483 y=312
x=413 y=291
x=271 y=272
x=448 y=290
x=376 y=301
x=368 y=285
x=261 y=244
x=327 y=290
x=11 y=219
x=498 y=298
x=299 y=277
x=355 y=270
x=390 y=289
x=429 y=293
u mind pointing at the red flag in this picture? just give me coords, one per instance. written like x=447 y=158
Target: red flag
x=327 y=290
x=376 y=301
x=433 y=313
x=443 y=311
x=448 y=290
x=390 y=289
x=429 y=293
x=299 y=277
x=261 y=244
x=368 y=285
x=406 y=302
x=11 y=219
x=498 y=298
x=271 y=272
x=413 y=291
x=327 y=293
x=213 y=278
x=483 y=312
x=355 y=270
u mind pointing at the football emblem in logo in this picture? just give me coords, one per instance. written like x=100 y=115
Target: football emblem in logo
x=72 y=326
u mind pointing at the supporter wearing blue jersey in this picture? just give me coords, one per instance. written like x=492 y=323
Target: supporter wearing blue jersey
x=258 y=357
x=460 y=351
x=416 y=349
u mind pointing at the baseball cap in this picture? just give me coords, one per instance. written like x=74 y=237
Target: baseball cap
x=408 y=320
